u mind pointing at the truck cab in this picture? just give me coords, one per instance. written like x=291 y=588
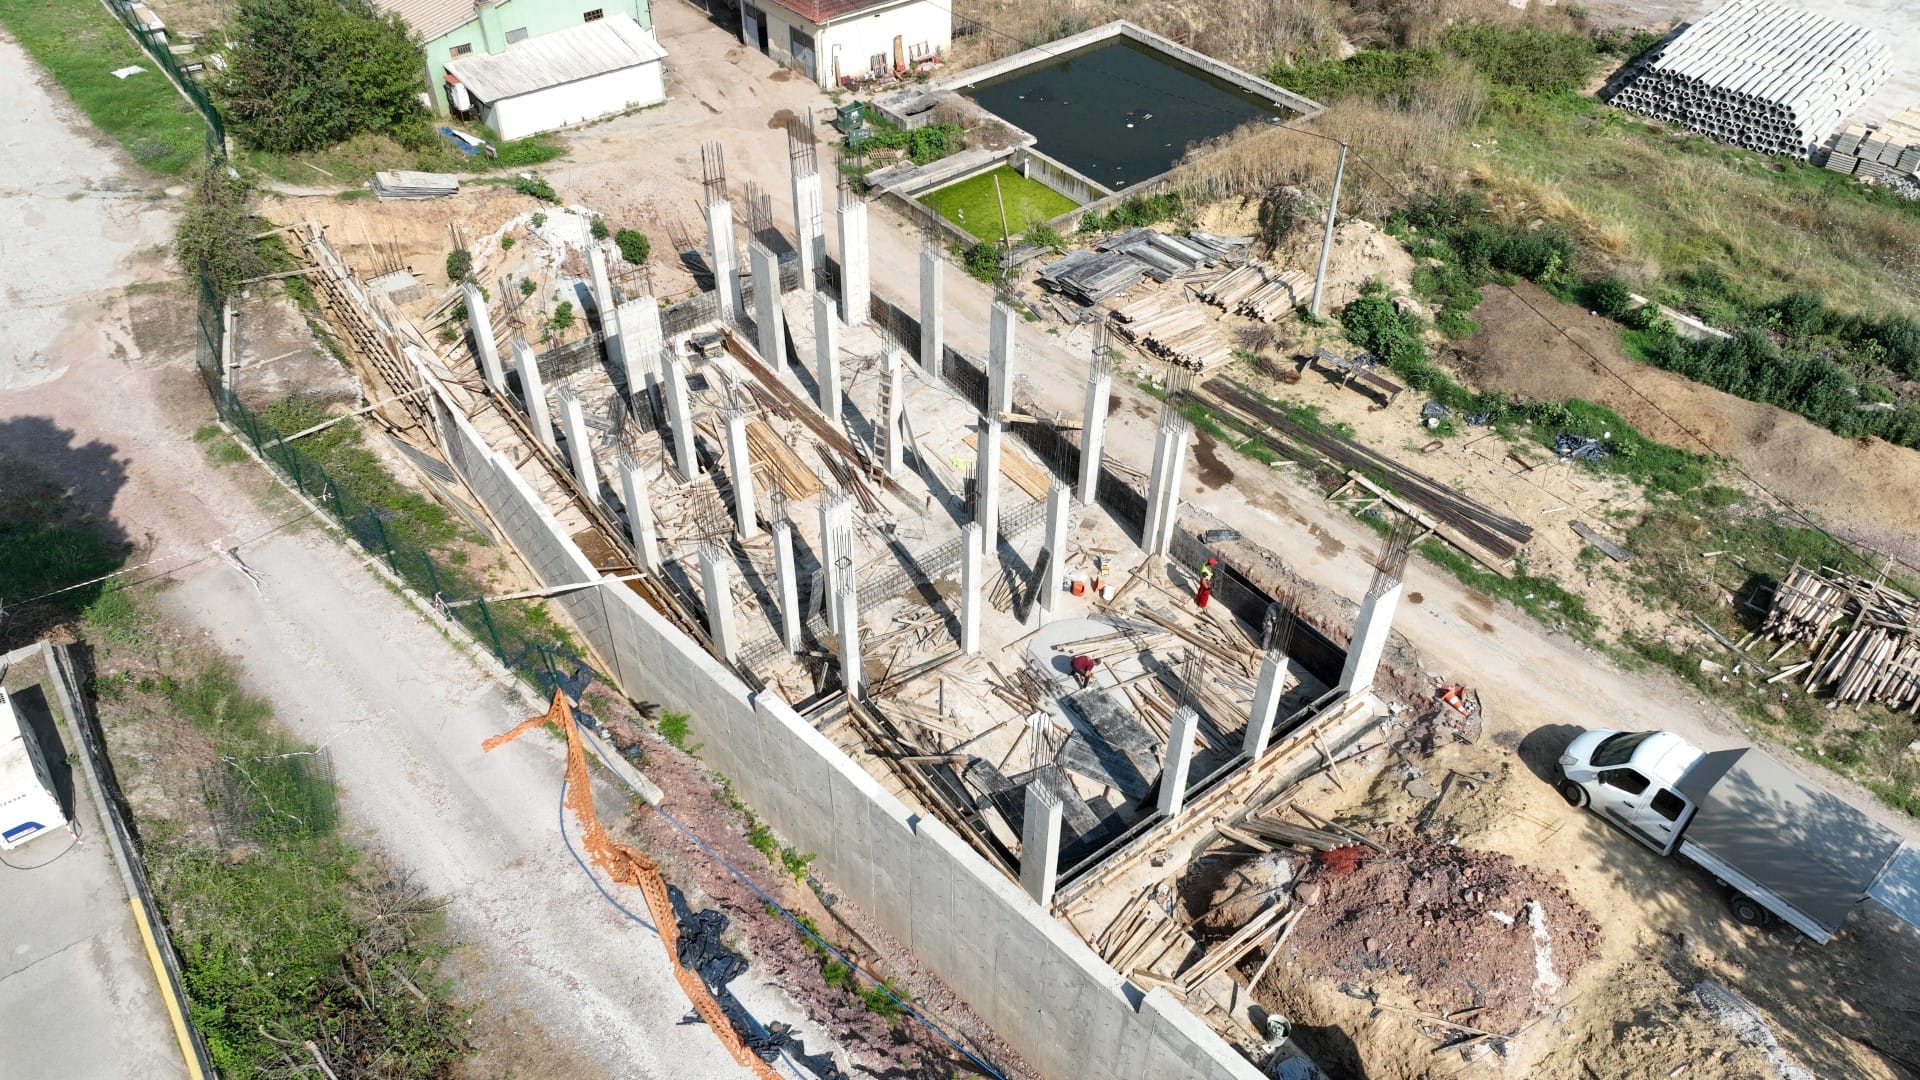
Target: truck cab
x=1632 y=779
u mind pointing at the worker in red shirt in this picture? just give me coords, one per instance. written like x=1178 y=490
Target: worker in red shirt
x=1205 y=592
x=1083 y=666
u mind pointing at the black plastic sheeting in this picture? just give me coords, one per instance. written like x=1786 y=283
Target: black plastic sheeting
x=703 y=951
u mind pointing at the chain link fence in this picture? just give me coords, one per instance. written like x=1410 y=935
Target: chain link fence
x=154 y=42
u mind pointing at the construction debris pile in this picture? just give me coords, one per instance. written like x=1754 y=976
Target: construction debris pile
x=1889 y=154
x=1862 y=637
x=1482 y=941
x=1759 y=75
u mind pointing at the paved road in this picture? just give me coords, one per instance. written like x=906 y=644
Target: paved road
x=97 y=386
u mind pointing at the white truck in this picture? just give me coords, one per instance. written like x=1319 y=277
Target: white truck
x=1784 y=847
x=27 y=803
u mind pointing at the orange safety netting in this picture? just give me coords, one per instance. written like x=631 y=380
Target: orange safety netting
x=629 y=867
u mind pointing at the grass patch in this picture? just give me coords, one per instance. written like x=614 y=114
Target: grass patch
x=80 y=44
x=971 y=205
x=408 y=516
x=355 y=160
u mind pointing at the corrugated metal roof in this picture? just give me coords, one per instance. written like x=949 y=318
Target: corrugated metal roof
x=565 y=56
x=430 y=17
x=823 y=11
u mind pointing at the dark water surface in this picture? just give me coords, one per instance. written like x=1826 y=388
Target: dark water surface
x=1119 y=112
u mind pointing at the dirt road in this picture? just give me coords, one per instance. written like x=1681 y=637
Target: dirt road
x=97 y=387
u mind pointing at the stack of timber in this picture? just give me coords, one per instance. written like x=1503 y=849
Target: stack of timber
x=1862 y=636
x=796 y=480
x=403 y=184
x=1259 y=291
x=1170 y=327
x=1092 y=276
x=1144 y=942
x=1225 y=249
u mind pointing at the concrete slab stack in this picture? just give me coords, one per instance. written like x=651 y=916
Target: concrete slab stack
x=1759 y=75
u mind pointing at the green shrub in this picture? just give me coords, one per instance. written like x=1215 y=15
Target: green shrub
x=527 y=287
x=506 y=243
x=634 y=246
x=536 y=186
x=1611 y=296
x=538 y=218
x=982 y=262
x=459 y=265
x=304 y=74
x=1044 y=236
x=563 y=317
x=598 y=227
x=675 y=727
x=1529 y=58
x=922 y=145
x=520 y=153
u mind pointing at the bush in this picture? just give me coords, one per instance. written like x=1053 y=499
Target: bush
x=922 y=145
x=634 y=245
x=215 y=237
x=1045 y=237
x=506 y=243
x=527 y=286
x=521 y=153
x=460 y=264
x=563 y=317
x=536 y=186
x=598 y=227
x=982 y=262
x=304 y=74
x=1611 y=296
x=1529 y=58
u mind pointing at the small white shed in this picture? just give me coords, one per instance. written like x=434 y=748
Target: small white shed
x=28 y=806
x=566 y=77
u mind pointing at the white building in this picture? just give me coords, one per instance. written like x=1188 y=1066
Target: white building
x=833 y=41
x=567 y=77
x=28 y=806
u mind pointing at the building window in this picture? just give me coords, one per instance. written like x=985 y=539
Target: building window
x=516 y=35
x=878 y=64
x=459 y=50
x=594 y=16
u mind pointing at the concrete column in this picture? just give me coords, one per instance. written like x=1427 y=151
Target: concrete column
x=1093 y=430
x=856 y=279
x=726 y=266
x=893 y=436
x=535 y=394
x=787 y=577
x=740 y=473
x=808 y=230
x=717 y=581
x=999 y=400
x=971 y=586
x=836 y=547
x=772 y=341
x=640 y=523
x=602 y=287
x=679 y=414
x=932 y=340
x=480 y=325
x=1054 y=580
x=573 y=420
x=847 y=616
x=1370 y=633
x=1266 y=703
x=826 y=356
x=638 y=321
x=1040 y=845
x=1173 y=774
x=1163 y=488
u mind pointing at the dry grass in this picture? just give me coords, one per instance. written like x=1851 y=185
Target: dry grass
x=1250 y=34
x=1413 y=145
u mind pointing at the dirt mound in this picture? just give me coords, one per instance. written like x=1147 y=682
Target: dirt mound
x=1468 y=929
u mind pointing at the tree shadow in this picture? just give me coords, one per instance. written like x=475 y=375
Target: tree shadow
x=58 y=535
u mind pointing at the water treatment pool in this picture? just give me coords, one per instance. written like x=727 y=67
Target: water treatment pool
x=1119 y=111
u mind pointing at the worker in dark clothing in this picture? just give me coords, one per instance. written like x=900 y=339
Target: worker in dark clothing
x=1205 y=592
x=1083 y=666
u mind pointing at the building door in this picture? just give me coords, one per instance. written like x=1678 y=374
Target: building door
x=753 y=27
x=801 y=47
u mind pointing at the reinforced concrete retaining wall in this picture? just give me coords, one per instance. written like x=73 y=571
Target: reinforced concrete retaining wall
x=1040 y=987
x=1035 y=165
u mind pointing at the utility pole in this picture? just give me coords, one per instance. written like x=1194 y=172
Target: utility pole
x=1326 y=240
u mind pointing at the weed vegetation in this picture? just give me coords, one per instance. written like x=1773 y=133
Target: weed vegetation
x=81 y=44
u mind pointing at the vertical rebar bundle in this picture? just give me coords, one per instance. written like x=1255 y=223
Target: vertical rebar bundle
x=1759 y=75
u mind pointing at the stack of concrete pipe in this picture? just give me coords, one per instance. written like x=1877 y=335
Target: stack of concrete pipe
x=1759 y=75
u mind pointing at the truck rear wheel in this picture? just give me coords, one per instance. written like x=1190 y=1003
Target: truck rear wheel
x=1573 y=793
x=1748 y=912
